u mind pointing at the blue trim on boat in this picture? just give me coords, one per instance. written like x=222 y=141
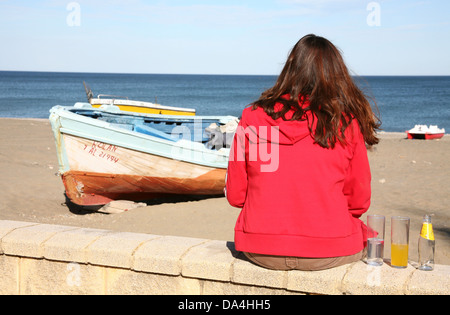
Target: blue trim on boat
x=154 y=132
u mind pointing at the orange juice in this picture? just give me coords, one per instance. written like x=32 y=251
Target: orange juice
x=399 y=255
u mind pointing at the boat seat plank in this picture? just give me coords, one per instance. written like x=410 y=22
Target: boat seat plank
x=154 y=132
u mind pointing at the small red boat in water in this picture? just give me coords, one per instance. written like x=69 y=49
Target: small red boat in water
x=425 y=132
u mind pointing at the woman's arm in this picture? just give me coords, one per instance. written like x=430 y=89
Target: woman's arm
x=236 y=179
x=357 y=187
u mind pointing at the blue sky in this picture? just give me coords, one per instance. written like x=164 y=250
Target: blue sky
x=221 y=36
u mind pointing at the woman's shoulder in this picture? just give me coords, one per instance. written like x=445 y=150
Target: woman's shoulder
x=252 y=110
x=353 y=134
x=252 y=113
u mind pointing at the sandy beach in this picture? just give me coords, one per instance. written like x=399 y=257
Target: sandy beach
x=409 y=178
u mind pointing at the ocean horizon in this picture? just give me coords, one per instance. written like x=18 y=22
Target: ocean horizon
x=213 y=74
x=403 y=101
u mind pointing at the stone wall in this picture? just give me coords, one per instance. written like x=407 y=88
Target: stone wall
x=52 y=259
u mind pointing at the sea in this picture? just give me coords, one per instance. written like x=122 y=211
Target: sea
x=401 y=101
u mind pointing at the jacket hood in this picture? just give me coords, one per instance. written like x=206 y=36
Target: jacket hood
x=289 y=132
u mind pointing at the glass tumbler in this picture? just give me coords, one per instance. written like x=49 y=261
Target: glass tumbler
x=399 y=241
x=375 y=239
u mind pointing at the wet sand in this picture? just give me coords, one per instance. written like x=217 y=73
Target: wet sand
x=409 y=178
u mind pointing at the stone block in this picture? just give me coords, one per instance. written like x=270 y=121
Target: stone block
x=72 y=245
x=27 y=241
x=116 y=250
x=7 y=227
x=212 y=260
x=163 y=255
x=436 y=282
x=245 y=272
x=327 y=282
x=40 y=276
x=130 y=282
x=363 y=279
x=9 y=275
x=227 y=288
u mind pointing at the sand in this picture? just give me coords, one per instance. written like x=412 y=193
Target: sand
x=409 y=178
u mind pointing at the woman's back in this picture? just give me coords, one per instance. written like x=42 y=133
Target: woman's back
x=298 y=165
x=292 y=197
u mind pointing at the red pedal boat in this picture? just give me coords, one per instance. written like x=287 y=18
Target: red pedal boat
x=425 y=132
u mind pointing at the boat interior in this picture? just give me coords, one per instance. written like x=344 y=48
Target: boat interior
x=196 y=128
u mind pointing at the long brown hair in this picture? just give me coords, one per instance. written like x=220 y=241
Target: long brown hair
x=315 y=72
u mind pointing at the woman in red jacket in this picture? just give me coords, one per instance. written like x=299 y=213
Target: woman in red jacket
x=298 y=165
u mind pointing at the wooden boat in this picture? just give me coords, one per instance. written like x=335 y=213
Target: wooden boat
x=134 y=106
x=106 y=154
x=425 y=132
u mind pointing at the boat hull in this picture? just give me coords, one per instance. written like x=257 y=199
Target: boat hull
x=99 y=163
x=425 y=136
x=91 y=189
x=101 y=172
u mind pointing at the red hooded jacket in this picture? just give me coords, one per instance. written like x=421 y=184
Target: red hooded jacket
x=298 y=199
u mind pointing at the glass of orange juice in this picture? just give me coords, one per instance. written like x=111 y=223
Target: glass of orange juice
x=399 y=241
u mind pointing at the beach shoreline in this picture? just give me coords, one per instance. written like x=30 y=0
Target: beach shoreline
x=408 y=178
